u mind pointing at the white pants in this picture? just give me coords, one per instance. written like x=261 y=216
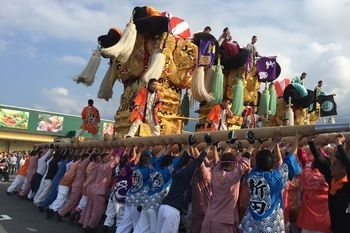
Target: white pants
x=23 y=185
x=114 y=213
x=155 y=129
x=61 y=198
x=129 y=221
x=31 y=195
x=16 y=184
x=82 y=204
x=43 y=190
x=168 y=219
x=147 y=222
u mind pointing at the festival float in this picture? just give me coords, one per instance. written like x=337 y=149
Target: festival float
x=195 y=68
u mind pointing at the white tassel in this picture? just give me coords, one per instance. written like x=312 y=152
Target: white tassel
x=199 y=92
x=87 y=76
x=121 y=51
x=199 y=71
x=156 y=66
x=106 y=88
x=289 y=113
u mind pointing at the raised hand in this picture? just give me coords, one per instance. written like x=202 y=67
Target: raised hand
x=250 y=136
x=208 y=139
x=340 y=139
x=277 y=137
x=191 y=140
x=232 y=138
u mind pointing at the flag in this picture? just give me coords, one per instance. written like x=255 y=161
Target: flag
x=266 y=69
x=328 y=107
x=206 y=53
x=312 y=106
x=280 y=86
x=177 y=26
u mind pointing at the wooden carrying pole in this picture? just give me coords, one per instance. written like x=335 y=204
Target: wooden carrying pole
x=320 y=139
x=260 y=133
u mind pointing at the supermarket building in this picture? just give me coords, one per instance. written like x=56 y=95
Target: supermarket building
x=21 y=128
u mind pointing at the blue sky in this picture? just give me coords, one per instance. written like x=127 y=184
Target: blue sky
x=45 y=43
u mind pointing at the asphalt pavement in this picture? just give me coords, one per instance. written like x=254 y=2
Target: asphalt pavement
x=21 y=216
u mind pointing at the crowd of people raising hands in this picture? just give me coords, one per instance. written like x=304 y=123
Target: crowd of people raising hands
x=270 y=186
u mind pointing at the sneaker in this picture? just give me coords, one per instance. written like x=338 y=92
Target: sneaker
x=49 y=213
x=72 y=218
x=58 y=217
x=90 y=230
x=105 y=229
x=9 y=193
x=40 y=208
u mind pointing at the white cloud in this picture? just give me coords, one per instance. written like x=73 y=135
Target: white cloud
x=60 y=91
x=67 y=105
x=319 y=48
x=59 y=100
x=338 y=78
x=71 y=60
x=326 y=18
x=80 y=21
